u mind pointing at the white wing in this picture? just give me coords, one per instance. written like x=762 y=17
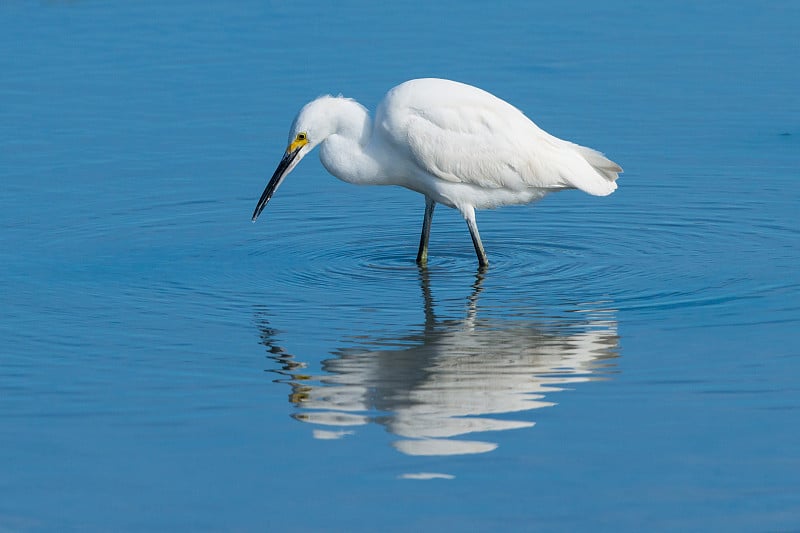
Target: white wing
x=460 y=133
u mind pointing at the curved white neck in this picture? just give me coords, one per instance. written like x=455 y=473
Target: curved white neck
x=349 y=160
x=347 y=152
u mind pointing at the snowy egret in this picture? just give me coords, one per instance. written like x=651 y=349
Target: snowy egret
x=454 y=143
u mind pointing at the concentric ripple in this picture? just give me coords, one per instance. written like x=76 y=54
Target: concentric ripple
x=693 y=252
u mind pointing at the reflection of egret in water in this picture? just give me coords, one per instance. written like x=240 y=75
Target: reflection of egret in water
x=446 y=381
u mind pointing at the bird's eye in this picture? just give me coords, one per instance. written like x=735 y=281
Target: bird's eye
x=301 y=136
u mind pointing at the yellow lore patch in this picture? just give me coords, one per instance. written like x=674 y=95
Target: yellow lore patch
x=299 y=141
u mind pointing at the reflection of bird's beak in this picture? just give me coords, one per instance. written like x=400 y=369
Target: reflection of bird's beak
x=286 y=165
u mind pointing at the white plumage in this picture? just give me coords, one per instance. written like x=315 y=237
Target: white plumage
x=456 y=144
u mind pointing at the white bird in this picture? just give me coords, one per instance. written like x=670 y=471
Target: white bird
x=458 y=145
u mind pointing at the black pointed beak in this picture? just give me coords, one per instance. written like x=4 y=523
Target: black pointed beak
x=283 y=169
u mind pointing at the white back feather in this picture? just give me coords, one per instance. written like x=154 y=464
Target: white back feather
x=460 y=133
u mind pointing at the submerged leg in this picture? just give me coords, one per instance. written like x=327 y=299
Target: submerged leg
x=422 y=254
x=469 y=216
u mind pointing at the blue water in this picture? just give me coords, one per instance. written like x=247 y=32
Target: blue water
x=627 y=363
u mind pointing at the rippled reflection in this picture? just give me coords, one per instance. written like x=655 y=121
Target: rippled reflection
x=452 y=378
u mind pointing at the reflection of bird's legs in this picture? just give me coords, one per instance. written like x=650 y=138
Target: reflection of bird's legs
x=427 y=298
x=422 y=254
x=472 y=301
x=469 y=215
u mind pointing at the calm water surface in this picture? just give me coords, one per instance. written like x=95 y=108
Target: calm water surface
x=626 y=363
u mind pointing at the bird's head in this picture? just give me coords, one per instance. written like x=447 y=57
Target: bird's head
x=315 y=122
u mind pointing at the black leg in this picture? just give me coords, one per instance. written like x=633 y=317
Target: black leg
x=422 y=254
x=469 y=216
